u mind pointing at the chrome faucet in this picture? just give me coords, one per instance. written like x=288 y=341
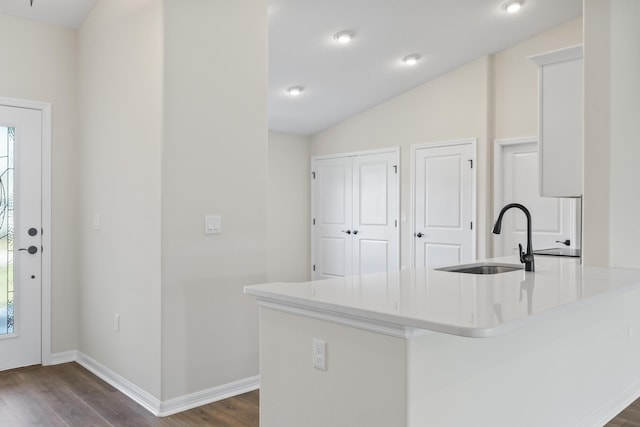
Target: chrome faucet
x=525 y=257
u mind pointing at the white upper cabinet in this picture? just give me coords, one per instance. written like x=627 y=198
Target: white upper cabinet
x=561 y=121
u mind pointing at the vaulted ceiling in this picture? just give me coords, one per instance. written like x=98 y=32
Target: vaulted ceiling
x=341 y=80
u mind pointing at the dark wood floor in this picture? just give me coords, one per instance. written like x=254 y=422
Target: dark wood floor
x=630 y=417
x=69 y=395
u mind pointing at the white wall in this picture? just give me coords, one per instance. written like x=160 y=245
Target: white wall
x=452 y=106
x=38 y=63
x=171 y=129
x=624 y=208
x=612 y=108
x=515 y=80
x=214 y=162
x=120 y=128
x=289 y=235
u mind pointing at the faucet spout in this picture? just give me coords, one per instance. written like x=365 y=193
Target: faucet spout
x=525 y=257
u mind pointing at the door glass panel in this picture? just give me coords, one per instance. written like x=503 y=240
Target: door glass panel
x=7 y=138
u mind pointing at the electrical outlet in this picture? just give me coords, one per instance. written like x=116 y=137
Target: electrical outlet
x=116 y=322
x=319 y=353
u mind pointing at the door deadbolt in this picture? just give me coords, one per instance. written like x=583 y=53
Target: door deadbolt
x=33 y=231
x=31 y=249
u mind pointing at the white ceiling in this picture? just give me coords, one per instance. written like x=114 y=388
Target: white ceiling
x=343 y=80
x=64 y=13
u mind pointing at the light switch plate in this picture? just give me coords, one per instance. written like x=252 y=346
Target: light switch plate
x=212 y=224
x=97 y=223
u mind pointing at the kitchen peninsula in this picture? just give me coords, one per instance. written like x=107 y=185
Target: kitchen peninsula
x=426 y=347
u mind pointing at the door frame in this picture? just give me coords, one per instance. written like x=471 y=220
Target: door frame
x=395 y=150
x=498 y=161
x=412 y=188
x=45 y=110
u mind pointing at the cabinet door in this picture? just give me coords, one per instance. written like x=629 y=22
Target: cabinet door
x=561 y=122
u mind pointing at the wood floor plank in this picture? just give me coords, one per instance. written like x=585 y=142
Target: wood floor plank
x=238 y=409
x=57 y=396
x=30 y=411
x=101 y=397
x=7 y=417
x=630 y=417
x=69 y=395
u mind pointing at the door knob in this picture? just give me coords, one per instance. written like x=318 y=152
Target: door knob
x=31 y=249
x=355 y=231
x=418 y=235
x=346 y=231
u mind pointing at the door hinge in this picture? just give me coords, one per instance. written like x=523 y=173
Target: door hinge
x=313 y=175
x=470 y=163
x=314 y=221
x=395 y=169
x=314 y=267
x=396 y=223
x=471 y=225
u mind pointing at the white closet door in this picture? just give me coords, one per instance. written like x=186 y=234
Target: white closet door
x=444 y=197
x=375 y=213
x=333 y=217
x=355 y=214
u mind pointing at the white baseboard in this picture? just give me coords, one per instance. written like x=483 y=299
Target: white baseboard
x=135 y=393
x=214 y=394
x=612 y=408
x=64 y=357
x=148 y=401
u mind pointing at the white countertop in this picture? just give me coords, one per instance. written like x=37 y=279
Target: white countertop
x=455 y=303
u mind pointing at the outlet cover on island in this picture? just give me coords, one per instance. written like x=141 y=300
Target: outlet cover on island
x=319 y=352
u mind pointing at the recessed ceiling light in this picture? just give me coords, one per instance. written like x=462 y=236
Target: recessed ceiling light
x=295 y=90
x=512 y=6
x=411 y=59
x=344 y=36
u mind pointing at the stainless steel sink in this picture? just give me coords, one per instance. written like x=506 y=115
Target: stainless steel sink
x=482 y=268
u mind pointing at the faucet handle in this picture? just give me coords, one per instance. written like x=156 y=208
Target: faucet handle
x=525 y=258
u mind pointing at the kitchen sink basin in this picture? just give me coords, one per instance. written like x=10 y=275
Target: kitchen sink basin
x=482 y=268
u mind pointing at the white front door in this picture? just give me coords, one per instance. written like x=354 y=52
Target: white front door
x=20 y=236
x=355 y=212
x=553 y=219
x=444 y=205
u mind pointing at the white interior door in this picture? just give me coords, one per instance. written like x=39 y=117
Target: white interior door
x=553 y=220
x=20 y=236
x=375 y=213
x=332 y=218
x=355 y=212
x=444 y=205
